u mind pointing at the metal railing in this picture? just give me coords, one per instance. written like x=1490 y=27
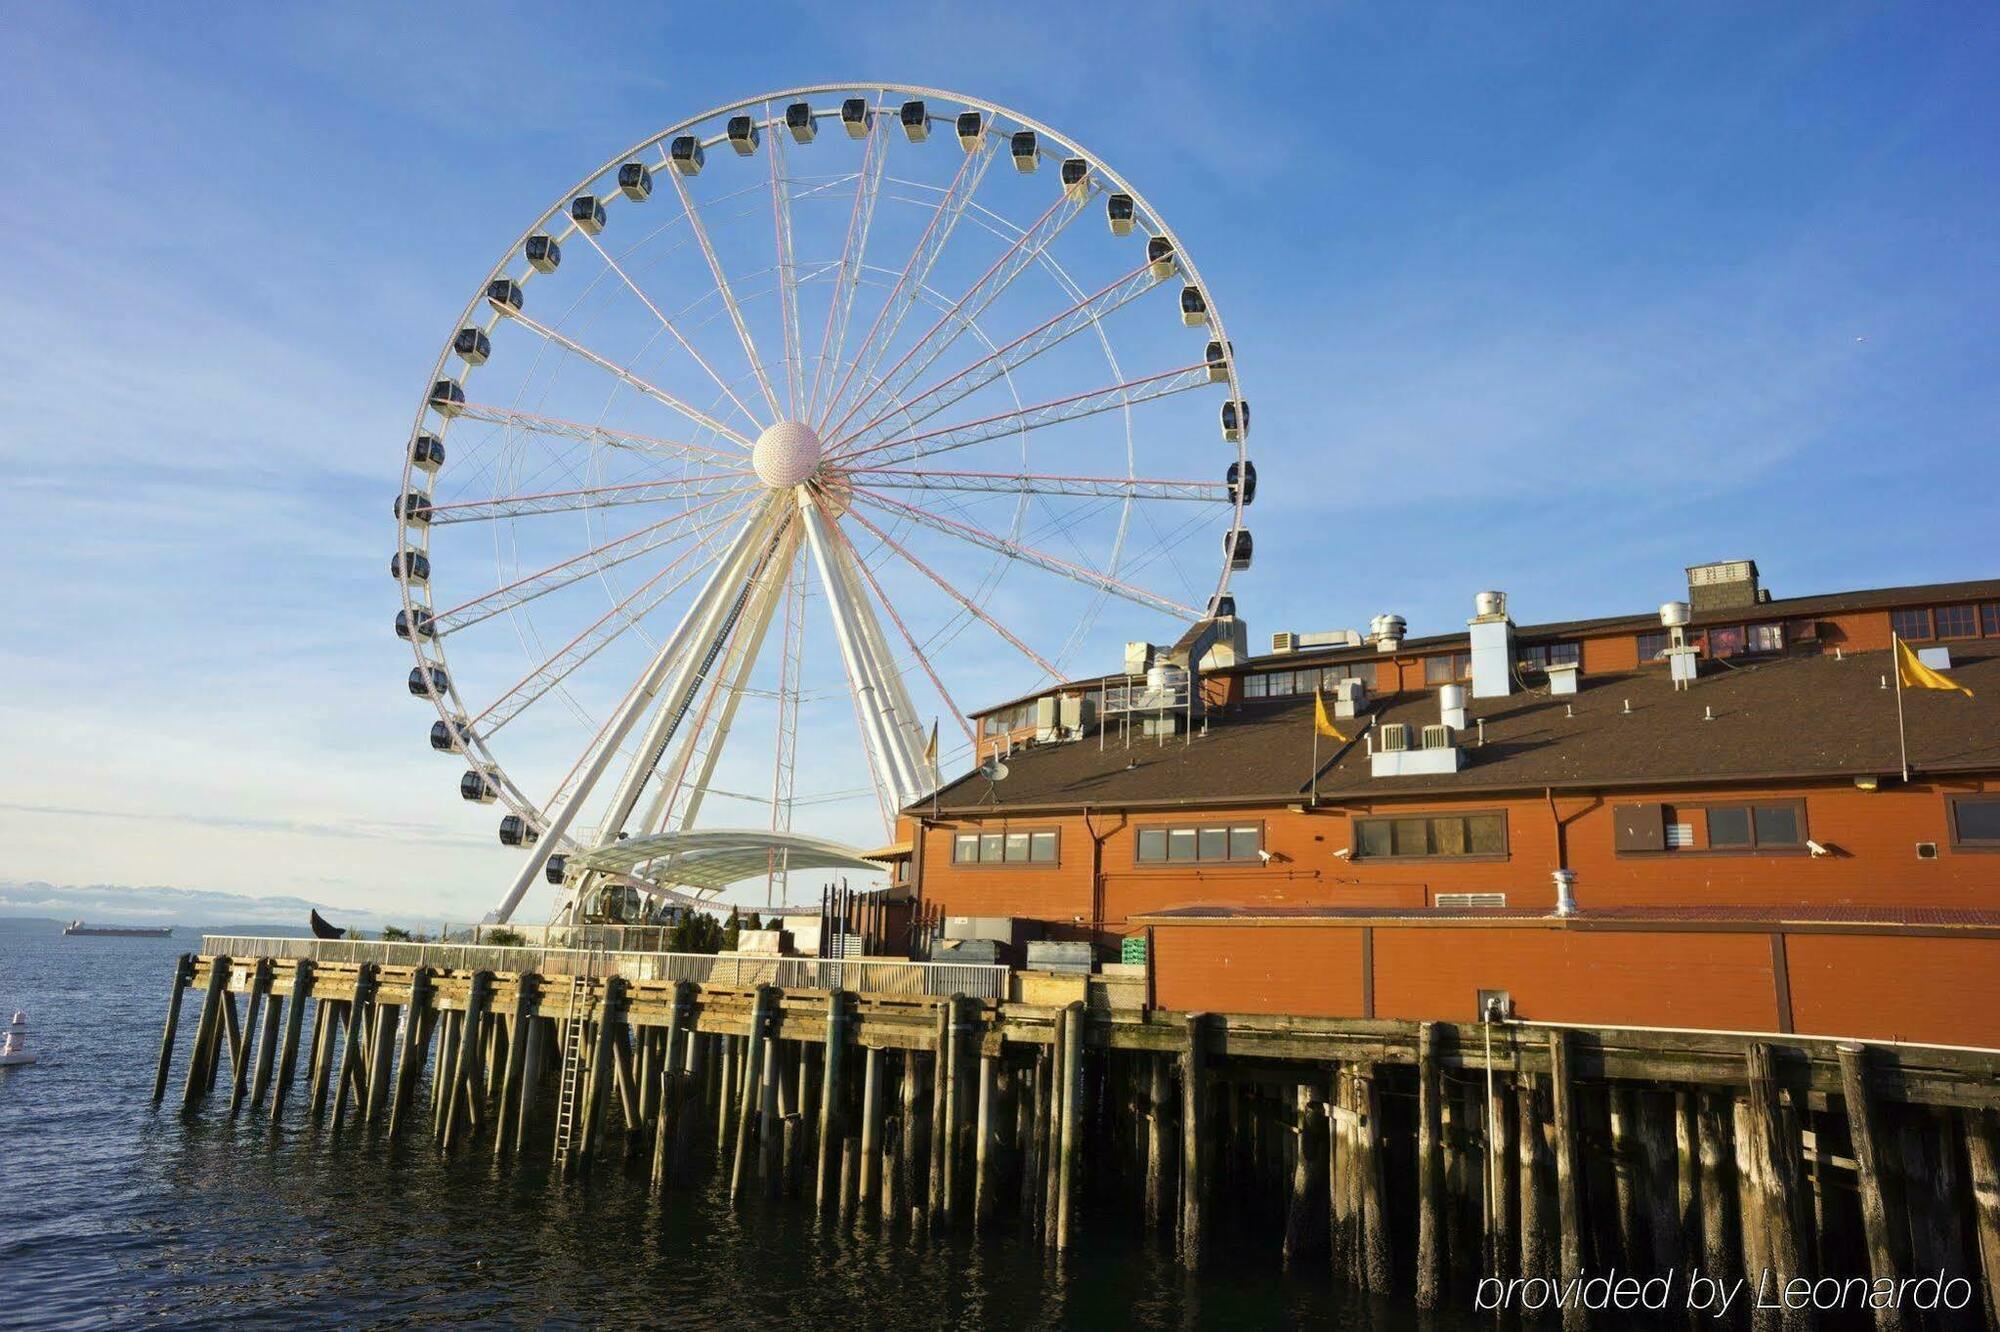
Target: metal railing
x=869 y=976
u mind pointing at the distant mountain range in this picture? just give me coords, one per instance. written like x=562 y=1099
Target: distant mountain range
x=121 y=904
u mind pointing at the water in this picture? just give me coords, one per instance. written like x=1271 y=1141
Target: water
x=114 y=1213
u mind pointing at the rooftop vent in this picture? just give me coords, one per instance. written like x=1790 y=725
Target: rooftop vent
x=1388 y=631
x=1437 y=736
x=1490 y=634
x=1293 y=642
x=1723 y=585
x=1394 y=737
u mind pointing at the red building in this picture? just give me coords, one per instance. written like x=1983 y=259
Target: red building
x=1764 y=845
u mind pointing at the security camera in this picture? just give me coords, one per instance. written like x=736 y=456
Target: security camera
x=1818 y=848
x=1343 y=853
x=1263 y=855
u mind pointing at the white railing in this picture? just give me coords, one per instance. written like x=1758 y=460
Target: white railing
x=742 y=969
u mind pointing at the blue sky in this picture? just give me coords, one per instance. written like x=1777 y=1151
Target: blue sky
x=1554 y=299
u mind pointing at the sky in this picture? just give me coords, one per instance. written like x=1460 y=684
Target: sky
x=1554 y=299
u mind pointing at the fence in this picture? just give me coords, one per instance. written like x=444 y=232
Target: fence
x=794 y=973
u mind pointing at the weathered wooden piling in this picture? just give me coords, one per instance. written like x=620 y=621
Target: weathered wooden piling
x=746 y=1104
x=1430 y=1173
x=1194 y=1144
x=1072 y=1125
x=183 y=977
x=832 y=1115
x=871 y=1128
x=1569 y=1169
x=207 y=1027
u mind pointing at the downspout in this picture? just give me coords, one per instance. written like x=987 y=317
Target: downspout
x=1564 y=876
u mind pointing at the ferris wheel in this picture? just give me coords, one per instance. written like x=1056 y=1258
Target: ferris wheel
x=798 y=421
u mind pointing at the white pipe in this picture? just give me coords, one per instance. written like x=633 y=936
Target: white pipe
x=663 y=661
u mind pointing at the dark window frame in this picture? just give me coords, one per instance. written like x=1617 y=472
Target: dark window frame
x=1002 y=833
x=1971 y=610
x=1976 y=844
x=1455 y=661
x=1929 y=627
x=1673 y=813
x=1505 y=852
x=1227 y=858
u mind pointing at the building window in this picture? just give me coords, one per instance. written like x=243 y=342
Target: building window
x=1653 y=645
x=1911 y=624
x=1989 y=619
x=1447 y=668
x=1541 y=656
x=1330 y=676
x=1432 y=835
x=1975 y=822
x=1755 y=827
x=1201 y=844
x=1010 y=719
x=1957 y=621
x=1767 y=638
x=1725 y=641
x=1030 y=846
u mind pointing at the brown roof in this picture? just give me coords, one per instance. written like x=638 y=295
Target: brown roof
x=1781 y=719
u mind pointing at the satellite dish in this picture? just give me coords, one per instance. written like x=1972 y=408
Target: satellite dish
x=993 y=770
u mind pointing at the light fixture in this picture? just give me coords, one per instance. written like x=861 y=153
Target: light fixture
x=1868 y=783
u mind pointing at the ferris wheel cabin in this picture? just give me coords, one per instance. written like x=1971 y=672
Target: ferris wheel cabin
x=854 y=116
x=451 y=737
x=800 y=123
x=447 y=397
x=1194 y=307
x=427 y=453
x=1242 y=481
x=1235 y=421
x=743 y=136
x=504 y=295
x=916 y=121
x=971 y=128
x=1160 y=256
x=1236 y=545
x=429 y=682
x=1027 y=153
x=1076 y=178
x=588 y=213
x=412 y=566
x=686 y=155
x=472 y=345
x=1120 y=212
x=517 y=831
x=414 y=507
x=1216 y=355
x=635 y=182
x=478 y=787
x=415 y=623
x=543 y=254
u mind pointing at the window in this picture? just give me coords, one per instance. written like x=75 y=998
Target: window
x=1332 y=675
x=1206 y=843
x=1911 y=624
x=1725 y=641
x=1541 y=656
x=1011 y=719
x=1756 y=827
x=1444 y=835
x=1030 y=846
x=1447 y=668
x=1989 y=619
x=1256 y=686
x=1957 y=621
x=1975 y=821
x=1767 y=638
x=1653 y=645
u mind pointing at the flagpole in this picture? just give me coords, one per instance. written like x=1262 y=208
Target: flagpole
x=1315 y=776
x=1902 y=742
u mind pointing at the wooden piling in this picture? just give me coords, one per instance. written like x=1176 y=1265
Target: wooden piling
x=461 y=1087
x=1502 y=1180
x=985 y=1153
x=832 y=1119
x=288 y=1055
x=940 y=1129
x=260 y=988
x=1982 y=1151
x=1430 y=1173
x=1072 y=1124
x=1035 y=1109
x=1720 y=1253
x=328 y=1014
x=1057 y=1088
x=909 y=1141
x=415 y=1045
x=668 y=1093
x=267 y=1049
x=1771 y=1159
x=770 y=1123
x=1657 y=1177
x=1159 y=1087
x=1569 y=1171
x=696 y=1076
x=1302 y=1210
x=1876 y=1181
x=183 y=976
x=1194 y=1144
x=746 y=1104
x=381 y=1059
x=206 y=1027
x=871 y=1129
x=520 y=1021
x=952 y=1055
x=231 y=1040
x=1541 y=1237
x=359 y=1011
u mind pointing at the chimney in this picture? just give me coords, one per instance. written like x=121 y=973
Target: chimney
x=1492 y=635
x=1723 y=585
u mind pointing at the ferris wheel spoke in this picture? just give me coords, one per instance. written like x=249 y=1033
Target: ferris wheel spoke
x=591 y=497
x=951 y=705
x=667 y=324
x=946 y=586
x=604 y=436
x=909 y=284
x=1036 y=483
x=1036 y=416
x=596 y=560
x=723 y=289
x=617 y=371
x=1029 y=555
x=788 y=278
x=938 y=338
x=790 y=669
x=606 y=629
x=847 y=279
x=1010 y=357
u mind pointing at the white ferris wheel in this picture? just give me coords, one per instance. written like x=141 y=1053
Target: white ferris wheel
x=801 y=418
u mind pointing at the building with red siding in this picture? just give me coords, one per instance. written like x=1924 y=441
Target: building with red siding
x=1538 y=813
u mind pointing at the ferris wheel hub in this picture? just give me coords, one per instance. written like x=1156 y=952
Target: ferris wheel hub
x=787 y=453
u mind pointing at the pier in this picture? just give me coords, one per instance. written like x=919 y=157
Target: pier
x=1410 y=1158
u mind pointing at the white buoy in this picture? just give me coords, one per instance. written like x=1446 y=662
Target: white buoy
x=14 y=1052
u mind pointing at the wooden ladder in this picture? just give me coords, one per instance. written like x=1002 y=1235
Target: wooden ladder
x=572 y=1067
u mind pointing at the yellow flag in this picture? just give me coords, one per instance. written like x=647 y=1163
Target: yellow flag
x=930 y=750
x=1913 y=674
x=1321 y=722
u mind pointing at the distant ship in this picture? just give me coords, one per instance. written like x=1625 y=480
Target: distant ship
x=130 y=931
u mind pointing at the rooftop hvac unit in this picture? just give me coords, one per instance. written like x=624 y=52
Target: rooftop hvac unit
x=1395 y=737
x=1284 y=642
x=1330 y=638
x=1168 y=723
x=1437 y=736
x=1388 y=631
x=1046 y=714
x=1078 y=713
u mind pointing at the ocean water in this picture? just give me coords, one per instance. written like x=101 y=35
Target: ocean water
x=115 y=1214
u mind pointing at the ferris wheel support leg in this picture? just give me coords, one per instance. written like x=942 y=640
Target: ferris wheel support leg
x=876 y=685
x=727 y=578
